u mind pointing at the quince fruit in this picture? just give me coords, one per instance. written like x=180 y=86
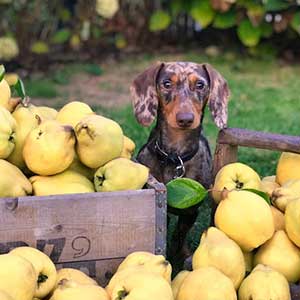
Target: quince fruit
x=288 y=167
x=292 y=221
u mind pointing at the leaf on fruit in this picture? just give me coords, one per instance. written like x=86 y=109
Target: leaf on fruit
x=20 y=88
x=185 y=192
x=264 y=195
x=159 y=20
x=2 y=72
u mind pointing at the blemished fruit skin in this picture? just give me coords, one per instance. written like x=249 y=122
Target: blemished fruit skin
x=7 y=133
x=99 y=140
x=177 y=282
x=292 y=221
x=71 y=290
x=141 y=284
x=280 y=254
x=14 y=183
x=73 y=112
x=288 y=167
x=235 y=176
x=73 y=275
x=216 y=249
x=17 y=277
x=148 y=261
x=44 y=268
x=49 y=148
x=120 y=174
x=207 y=283
x=246 y=218
x=67 y=182
x=264 y=283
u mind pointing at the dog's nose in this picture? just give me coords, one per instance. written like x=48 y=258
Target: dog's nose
x=184 y=119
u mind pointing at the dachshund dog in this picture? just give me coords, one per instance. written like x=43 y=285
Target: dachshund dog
x=177 y=93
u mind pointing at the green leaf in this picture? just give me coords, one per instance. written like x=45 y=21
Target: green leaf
x=176 y=7
x=274 y=5
x=202 y=12
x=225 y=20
x=20 y=89
x=295 y=22
x=61 y=36
x=159 y=20
x=248 y=34
x=2 y=72
x=185 y=192
x=264 y=195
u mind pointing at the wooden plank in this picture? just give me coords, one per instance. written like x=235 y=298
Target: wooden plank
x=80 y=227
x=224 y=154
x=257 y=139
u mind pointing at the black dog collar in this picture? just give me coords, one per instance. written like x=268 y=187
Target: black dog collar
x=173 y=158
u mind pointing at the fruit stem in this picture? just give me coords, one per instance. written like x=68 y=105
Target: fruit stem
x=122 y=294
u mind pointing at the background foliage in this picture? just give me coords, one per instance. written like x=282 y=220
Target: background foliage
x=37 y=31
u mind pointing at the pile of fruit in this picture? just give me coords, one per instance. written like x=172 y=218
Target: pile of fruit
x=73 y=150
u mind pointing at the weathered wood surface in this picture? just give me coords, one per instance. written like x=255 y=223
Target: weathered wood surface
x=80 y=227
x=257 y=139
x=230 y=138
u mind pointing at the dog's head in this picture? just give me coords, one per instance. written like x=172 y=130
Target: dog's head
x=181 y=91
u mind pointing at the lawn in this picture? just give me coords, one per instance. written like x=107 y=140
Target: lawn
x=265 y=96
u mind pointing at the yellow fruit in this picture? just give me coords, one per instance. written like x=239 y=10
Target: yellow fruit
x=50 y=148
x=67 y=182
x=70 y=290
x=235 y=176
x=79 y=167
x=177 y=282
x=73 y=112
x=120 y=174
x=264 y=283
x=14 y=183
x=292 y=221
x=141 y=285
x=128 y=147
x=99 y=140
x=11 y=78
x=288 y=192
x=280 y=254
x=278 y=218
x=246 y=218
x=5 y=94
x=44 y=268
x=75 y=276
x=5 y=296
x=7 y=133
x=219 y=251
x=17 y=277
x=26 y=122
x=268 y=185
x=288 y=167
x=248 y=258
x=207 y=283
x=45 y=113
x=148 y=261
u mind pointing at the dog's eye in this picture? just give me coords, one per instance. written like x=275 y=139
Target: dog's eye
x=200 y=84
x=167 y=83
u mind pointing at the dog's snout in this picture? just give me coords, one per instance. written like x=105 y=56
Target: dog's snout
x=185 y=119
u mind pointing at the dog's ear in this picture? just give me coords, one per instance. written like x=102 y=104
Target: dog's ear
x=144 y=95
x=218 y=97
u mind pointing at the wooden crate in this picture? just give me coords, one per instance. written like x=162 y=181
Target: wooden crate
x=231 y=138
x=92 y=232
